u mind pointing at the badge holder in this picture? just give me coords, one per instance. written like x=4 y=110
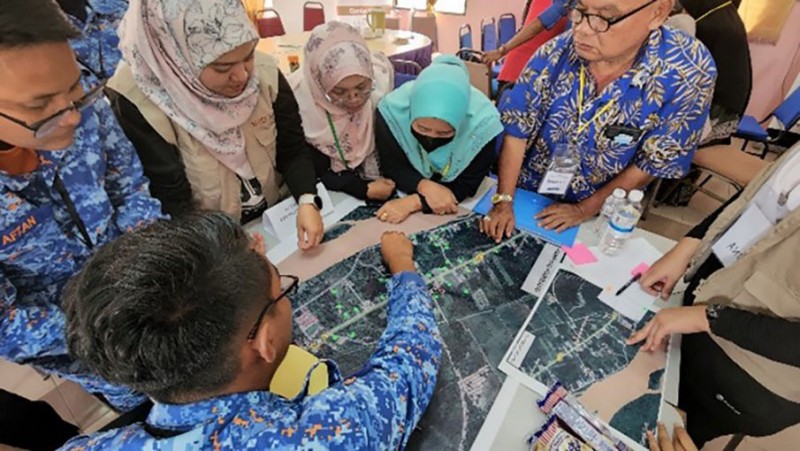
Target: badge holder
x=565 y=160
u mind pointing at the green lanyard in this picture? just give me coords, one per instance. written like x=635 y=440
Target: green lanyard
x=424 y=155
x=336 y=141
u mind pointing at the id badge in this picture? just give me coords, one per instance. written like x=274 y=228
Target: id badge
x=751 y=226
x=562 y=169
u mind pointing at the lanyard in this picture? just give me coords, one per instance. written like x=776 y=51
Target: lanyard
x=424 y=154
x=582 y=127
x=713 y=10
x=336 y=141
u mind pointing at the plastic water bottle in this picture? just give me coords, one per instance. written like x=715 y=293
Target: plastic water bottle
x=609 y=207
x=622 y=224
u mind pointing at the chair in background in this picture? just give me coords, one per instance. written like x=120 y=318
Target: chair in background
x=488 y=35
x=405 y=71
x=270 y=23
x=392 y=23
x=479 y=73
x=465 y=37
x=506 y=28
x=787 y=115
x=424 y=23
x=313 y=15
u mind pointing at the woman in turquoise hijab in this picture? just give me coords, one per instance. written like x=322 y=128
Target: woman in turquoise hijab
x=435 y=138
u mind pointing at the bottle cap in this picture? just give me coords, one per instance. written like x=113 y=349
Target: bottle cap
x=619 y=193
x=636 y=196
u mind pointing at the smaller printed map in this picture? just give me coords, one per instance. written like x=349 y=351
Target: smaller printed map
x=574 y=338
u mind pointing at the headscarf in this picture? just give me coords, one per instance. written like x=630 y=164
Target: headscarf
x=442 y=91
x=334 y=52
x=167 y=44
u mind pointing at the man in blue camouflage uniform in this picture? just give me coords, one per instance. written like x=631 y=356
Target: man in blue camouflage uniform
x=214 y=323
x=70 y=182
x=98 y=20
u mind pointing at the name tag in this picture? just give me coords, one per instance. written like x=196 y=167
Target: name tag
x=280 y=220
x=555 y=182
x=752 y=226
x=25 y=225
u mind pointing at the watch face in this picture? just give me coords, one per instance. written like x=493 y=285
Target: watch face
x=318 y=202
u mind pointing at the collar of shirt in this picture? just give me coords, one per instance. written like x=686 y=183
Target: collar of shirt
x=48 y=162
x=223 y=409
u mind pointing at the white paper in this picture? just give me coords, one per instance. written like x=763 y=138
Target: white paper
x=486 y=185
x=520 y=348
x=543 y=270
x=611 y=273
x=555 y=182
x=280 y=220
x=751 y=226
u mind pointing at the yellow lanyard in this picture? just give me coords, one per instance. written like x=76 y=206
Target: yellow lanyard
x=713 y=11
x=424 y=155
x=582 y=127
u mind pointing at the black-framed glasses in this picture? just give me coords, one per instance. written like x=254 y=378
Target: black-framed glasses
x=288 y=286
x=599 y=23
x=46 y=126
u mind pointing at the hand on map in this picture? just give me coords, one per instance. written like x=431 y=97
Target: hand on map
x=500 y=221
x=665 y=273
x=397 y=210
x=258 y=244
x=380 y=189
x=668 y=321
x=680 y=440
x=309 y=227
x=441 y=200
x=562 y=216
x=398 y=252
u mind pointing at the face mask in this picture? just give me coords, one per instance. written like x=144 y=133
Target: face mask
x=430 y=143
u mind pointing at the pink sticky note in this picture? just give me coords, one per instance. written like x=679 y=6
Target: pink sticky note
x=579 y=254
x=641 y=268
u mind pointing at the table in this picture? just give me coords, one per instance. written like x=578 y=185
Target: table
x=419 y=47
x=513 y=415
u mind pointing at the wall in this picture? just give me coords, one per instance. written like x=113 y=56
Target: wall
x=449 y=24
x=291 y=12
x=775 y=68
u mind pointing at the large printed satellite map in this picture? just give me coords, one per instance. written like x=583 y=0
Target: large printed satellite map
x=475 y=283
x=574 y=338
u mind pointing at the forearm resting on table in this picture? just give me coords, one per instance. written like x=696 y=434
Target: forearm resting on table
x=629 y=179
x=512 y=156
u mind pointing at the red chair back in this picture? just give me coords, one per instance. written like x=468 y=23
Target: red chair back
x=313 y=15
x=269 y=23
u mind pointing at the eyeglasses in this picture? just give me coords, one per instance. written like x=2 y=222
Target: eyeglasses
x=361 y=92
x=47 y=125
x=598 y=23
x=288 y=286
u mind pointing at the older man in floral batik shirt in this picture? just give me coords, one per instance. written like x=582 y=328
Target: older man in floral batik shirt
x=630 y=95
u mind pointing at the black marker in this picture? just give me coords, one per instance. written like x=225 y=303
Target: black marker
x=630 y=282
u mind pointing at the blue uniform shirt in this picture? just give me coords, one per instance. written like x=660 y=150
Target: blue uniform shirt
x=375 y=409
x=41 y=246
x=664 y=98
x=98 y=47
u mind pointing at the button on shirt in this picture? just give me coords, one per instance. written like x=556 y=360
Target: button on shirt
x=375 y=409
x=664 y=98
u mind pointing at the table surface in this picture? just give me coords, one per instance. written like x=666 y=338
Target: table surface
x=281 y=47
x=514 y=416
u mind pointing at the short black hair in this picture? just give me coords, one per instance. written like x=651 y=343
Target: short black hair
x=31 y=22
x=164 y=309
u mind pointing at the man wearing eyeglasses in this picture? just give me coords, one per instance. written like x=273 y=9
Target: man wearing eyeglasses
x=214 y=322
x=626 y=96
x=70 y=182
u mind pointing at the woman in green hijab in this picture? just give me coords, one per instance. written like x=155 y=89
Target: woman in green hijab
x=436 y=140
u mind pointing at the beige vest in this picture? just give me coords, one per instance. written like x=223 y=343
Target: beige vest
x=214 y=186
x=766 y=280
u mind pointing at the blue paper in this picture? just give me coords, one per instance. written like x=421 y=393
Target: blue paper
x=527 y=205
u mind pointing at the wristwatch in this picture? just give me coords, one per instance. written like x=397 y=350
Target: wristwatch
x=500 y=198
x=712 y=313
x=310 y=199
x=503 y=50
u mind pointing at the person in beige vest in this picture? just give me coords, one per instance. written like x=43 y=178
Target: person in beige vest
x=740 y=359
x=215 y=123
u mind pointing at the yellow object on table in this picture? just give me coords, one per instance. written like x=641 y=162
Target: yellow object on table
x=290 y=376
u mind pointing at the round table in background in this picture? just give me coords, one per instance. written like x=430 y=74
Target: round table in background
x=418 y=47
